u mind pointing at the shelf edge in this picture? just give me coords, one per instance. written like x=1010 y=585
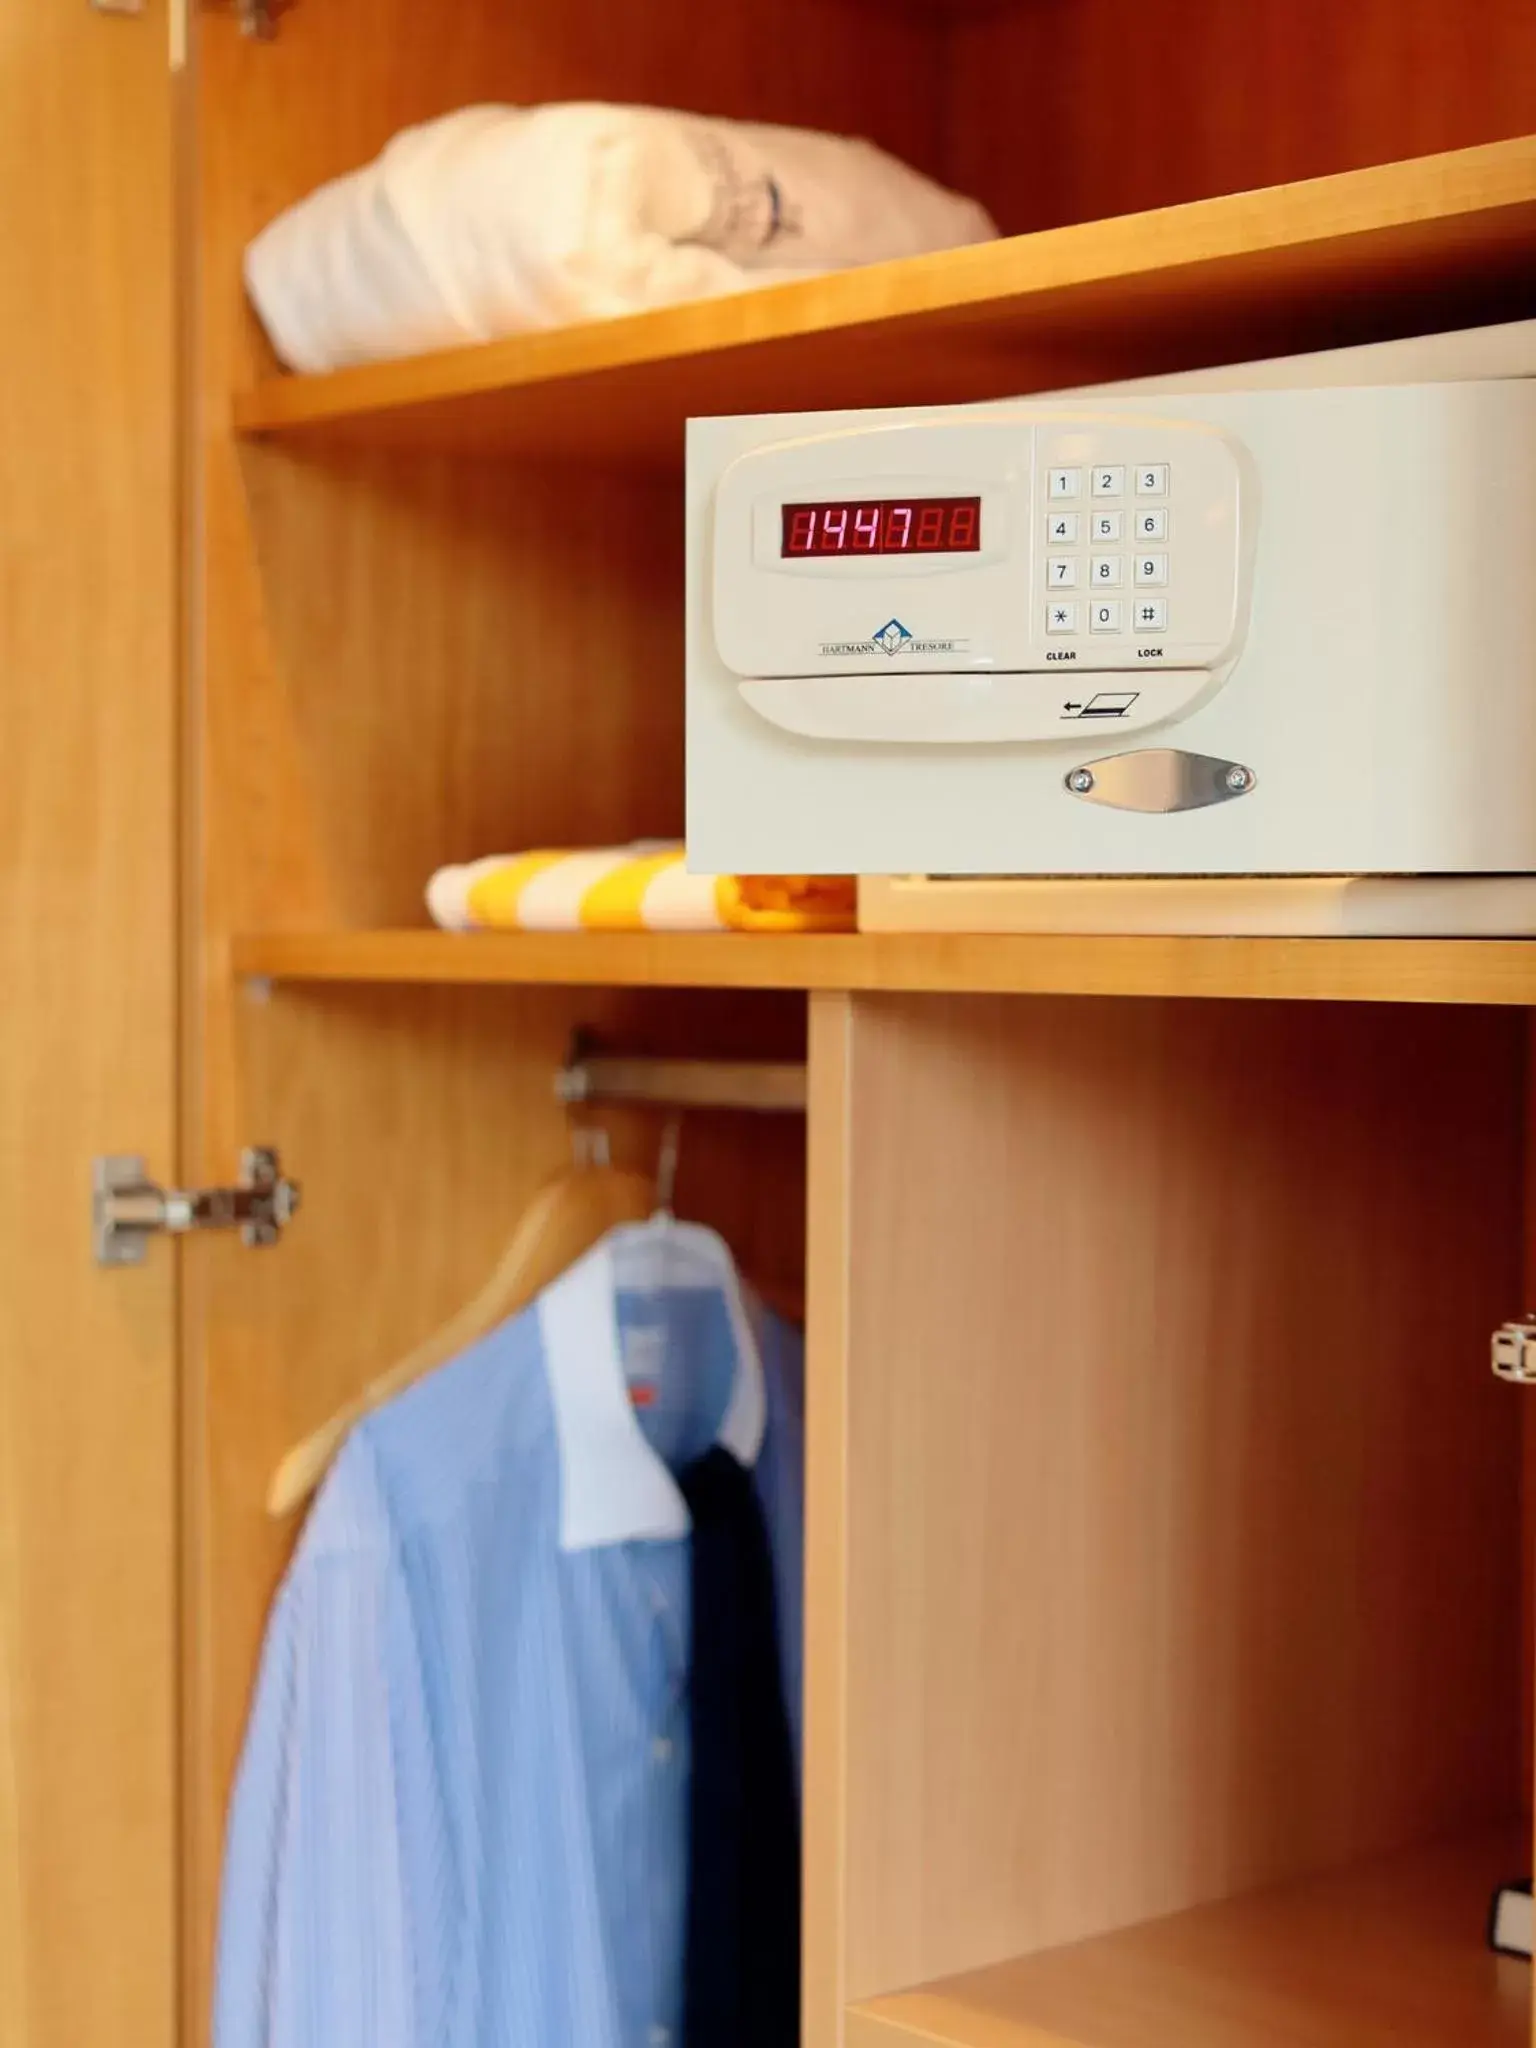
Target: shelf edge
x=1485 y=971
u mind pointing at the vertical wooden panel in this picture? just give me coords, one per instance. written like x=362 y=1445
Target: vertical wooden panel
x=1528 y=1438
x=87 y=1026
x=828 y=1294
x=1131 y=105
x=1182 y=1540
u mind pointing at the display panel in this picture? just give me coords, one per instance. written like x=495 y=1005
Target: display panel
x=881 y=526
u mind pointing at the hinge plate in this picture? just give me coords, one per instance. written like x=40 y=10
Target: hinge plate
x=258 y=18
x=1514 y=1353
x=128 y=1208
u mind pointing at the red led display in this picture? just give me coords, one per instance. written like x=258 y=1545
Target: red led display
x=882 y=526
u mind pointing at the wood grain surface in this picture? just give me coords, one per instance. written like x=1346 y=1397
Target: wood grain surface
x=1382 y=1955
x=88 y=698
x=1180 y=1530
x=1153 y=106
x=1501 y=971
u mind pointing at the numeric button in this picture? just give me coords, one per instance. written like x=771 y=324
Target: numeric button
x=1152 y=523
x=1066 y=483
x=1061 y=572
x=1062 y=527
x=1109 y=482
x=1152 y=480
x=1104 y=571
x=1104 y=615
x=1152 y=569
x=1106 y=525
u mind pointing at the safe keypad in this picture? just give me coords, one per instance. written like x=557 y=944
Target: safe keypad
x=1100 y=567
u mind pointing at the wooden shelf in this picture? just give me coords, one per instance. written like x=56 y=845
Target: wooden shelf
x=1329 y=970
x=1386 y=1955
x=1438 y=241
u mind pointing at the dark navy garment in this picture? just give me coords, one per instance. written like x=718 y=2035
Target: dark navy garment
x=742 y=1973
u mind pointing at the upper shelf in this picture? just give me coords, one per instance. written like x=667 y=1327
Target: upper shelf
x=1317 y=970
x=1401 y=248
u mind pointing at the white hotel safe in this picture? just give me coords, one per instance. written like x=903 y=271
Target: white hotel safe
x=1276 y=621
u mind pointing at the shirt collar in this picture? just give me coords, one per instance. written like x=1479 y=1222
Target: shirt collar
x=614 y=1488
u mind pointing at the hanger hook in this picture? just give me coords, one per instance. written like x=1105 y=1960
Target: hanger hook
x=666 y=1164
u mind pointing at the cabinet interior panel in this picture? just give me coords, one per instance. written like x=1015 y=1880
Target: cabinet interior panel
x=1164 y=1518
x=1181 y=1532
x=1069 y=110
x=1387 y=1954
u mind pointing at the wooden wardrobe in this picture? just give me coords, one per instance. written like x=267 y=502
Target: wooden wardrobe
x=1169 y=1548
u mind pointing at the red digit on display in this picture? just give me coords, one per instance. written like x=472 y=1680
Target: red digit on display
x=882 y=526
x=930 y=527
x=962 y=527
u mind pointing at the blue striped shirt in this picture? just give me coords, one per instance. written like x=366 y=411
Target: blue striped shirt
x=460 y=1819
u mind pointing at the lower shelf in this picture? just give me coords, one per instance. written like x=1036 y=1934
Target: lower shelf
x=1383 y=1955
x=1320 y=970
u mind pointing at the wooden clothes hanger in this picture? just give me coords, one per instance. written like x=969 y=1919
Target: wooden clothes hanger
x=563 y=1221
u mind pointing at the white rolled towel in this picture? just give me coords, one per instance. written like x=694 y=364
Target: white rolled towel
x=498 y=220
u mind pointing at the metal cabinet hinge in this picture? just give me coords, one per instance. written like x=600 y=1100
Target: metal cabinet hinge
x=258 y=18
x=128 y=1208
x=1514 y=1353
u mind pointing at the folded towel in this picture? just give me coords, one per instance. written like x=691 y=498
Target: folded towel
x=496 y=220
x=632 y=889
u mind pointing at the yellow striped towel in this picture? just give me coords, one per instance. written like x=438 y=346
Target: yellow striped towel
x=632 y=889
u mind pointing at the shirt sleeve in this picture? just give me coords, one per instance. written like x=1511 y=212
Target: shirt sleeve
x=312 y=1948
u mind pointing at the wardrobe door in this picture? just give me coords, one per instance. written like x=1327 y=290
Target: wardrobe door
x=87 y=1024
